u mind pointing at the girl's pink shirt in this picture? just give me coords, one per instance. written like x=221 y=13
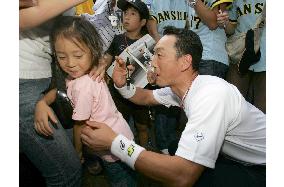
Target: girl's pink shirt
x=92 y=101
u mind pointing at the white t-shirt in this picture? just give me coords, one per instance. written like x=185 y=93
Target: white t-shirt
x=219 y=119
x=35 y=53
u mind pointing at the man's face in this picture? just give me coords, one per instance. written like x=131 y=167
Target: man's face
x=165 y=61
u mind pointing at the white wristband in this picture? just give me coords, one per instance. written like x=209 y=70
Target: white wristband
x=127 y=150
x=126 y=92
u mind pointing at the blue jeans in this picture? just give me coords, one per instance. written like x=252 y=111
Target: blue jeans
x=120 y=175
x=54 y=156
x=214 y=68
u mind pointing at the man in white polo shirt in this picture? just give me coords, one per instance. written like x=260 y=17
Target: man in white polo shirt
x=223 y=143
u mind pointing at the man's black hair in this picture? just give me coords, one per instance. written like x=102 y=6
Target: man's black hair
x=187 y=42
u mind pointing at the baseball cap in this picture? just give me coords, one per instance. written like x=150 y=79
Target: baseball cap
x=137 y=4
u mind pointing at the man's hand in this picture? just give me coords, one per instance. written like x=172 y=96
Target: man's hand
x=120 y=72
x=97 y=136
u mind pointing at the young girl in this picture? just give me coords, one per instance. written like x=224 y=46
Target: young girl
x=77 y=47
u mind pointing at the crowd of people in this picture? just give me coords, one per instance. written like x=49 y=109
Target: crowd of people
x=220 y=108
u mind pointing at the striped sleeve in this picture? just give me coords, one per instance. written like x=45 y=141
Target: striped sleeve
x=154 y=18
x=219 y=2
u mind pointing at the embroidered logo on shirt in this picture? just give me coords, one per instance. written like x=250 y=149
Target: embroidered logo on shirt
x=198 y=136
x=122 y=145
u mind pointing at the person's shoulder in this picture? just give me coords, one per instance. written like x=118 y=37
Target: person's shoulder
x=89 y=80
x=211 y=79
x=84 y=78
x=84 y=82
x=159 y=2
x=211 y=84
x=210 y=90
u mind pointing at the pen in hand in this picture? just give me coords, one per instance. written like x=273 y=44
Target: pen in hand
x=128 y=78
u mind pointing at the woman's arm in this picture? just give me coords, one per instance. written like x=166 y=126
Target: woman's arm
x=208 y=16
x=45 y=10
x=77 y=137
x=50 y=96
x=153 y=29
x=223 y=22
x=27 y=3
x=43 y=113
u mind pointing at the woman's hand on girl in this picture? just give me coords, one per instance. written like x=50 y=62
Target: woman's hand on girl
x=42 y=114
x=99 y=71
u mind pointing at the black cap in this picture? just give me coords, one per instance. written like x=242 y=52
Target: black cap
x=137 y=4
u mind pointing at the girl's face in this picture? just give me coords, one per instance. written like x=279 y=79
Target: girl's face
x=131 y=20
x=73 y=57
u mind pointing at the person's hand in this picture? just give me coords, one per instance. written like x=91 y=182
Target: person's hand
x=99 y=71
x=222 y=19
x=42 y=114
x=97 y=136
x=120 y=72
x=157 y=37
x=27 y=3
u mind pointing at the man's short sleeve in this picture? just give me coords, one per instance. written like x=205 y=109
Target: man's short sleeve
x=205 y=130
x=214 y=3
x=166 y=97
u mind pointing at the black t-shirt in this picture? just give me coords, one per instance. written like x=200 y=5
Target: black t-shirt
x=127 y=108
x=118 y=44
